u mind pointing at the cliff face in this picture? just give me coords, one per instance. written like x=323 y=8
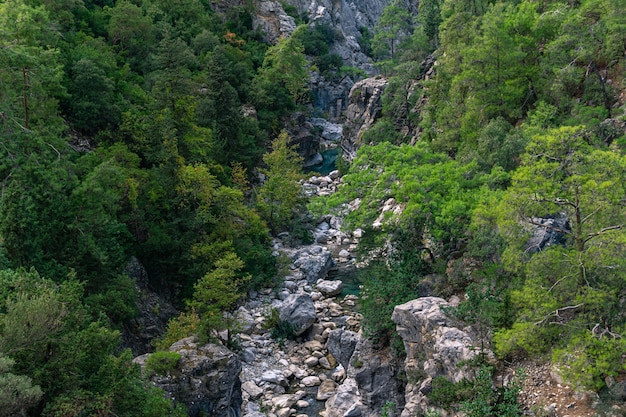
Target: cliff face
x=347 y=18
x=364 y=108
x=435 y=346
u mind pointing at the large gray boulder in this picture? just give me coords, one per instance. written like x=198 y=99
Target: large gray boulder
x=206 y=381
x=341 y=344
x=372 y=378
x=314 y=262
x=299 y=310
x=330 y=288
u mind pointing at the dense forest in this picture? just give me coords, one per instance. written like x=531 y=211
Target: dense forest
x=122 y=135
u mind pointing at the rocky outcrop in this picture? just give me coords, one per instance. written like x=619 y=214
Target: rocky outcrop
x=347 y=17
x=371 y=377
x=548 y=231
x=330 y=97
x=153 y=313
x=364 y=109
x=341 y=344
x=206 y=380
x=313 y=262
x=435 y=346
x=271 y=19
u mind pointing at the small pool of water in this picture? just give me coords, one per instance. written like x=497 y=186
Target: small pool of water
x=350 y=278
x=328 y=164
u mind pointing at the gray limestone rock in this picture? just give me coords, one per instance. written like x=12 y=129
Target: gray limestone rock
x=299 y=310
x=435 y=346
x=207 y=381
x=364 y=109
x=341 y=344
x=330 y=288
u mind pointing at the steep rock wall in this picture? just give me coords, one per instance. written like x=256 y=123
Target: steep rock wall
x=435 y=346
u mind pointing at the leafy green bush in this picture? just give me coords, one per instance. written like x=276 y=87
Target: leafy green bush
x=162 y=362
x=490 y=401
x=446 y=393
x=281 y=330
x=478 y=398
x=185 y=325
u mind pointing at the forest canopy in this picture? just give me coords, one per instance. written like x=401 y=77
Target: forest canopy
x=140 y=129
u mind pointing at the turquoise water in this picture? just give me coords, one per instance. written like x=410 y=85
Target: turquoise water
x=328 y=164
x=349 y=277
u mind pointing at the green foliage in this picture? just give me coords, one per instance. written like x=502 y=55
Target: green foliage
x=185 y=325
x=570 y=291
x=487 y=401
x=47 y=331
x=216 y=293
x=393 y=26
x=17 y=393
x=388 y=409
x=281 y=330
x=162 y=362
x=478 y=397
x=446 y=394
x=385 y=286
x=280 y=199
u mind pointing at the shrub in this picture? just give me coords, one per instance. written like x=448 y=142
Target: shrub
x=162 y=362
x=185 y=325
x=281 y=330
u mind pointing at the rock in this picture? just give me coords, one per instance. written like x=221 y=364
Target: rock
x=252 y=390
x=346 y=401
x=248 y=355
x=284 y=401
x=325 y=363
x=434 y=346
x=208 y=379
x=326 y=390
x=339 y=374
x=330 y=288
x=275 y=377
x=311 y=381
x=364 y=109
x=344 y=254
x=311 y=361
x=299 y=311
x=428 y=333
x=300 y=404
x=314 y=262
x=153 y=313
x=330 y=131
x=618 y=390
x=245 y=321
x=283 y=412
x=547 y=232
x=271 y=19
x=341 y=344
x=313 y=345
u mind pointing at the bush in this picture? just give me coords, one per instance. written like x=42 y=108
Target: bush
x=185 y=325
x=162 y=362
x=446 y=393
x=281 y=330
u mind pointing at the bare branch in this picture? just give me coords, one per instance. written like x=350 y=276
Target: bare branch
x=557 y=313
x=600 y=333
x=602 y=231
x=587 y=217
